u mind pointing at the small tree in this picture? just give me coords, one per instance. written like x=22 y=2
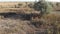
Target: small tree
x=43 y=6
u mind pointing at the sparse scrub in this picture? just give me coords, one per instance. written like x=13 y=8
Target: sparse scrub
x=53 y=20
x=43 y=7
x=21 y=24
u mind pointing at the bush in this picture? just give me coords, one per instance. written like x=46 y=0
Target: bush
x=43 y=7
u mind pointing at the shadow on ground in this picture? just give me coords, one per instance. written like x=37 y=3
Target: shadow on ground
x=16 y=16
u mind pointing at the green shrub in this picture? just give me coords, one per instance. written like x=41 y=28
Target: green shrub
x=43 y=6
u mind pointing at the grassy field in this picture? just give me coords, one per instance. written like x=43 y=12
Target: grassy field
x=19 y=24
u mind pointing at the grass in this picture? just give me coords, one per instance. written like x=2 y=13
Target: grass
x=50 y=22
x=54 y=21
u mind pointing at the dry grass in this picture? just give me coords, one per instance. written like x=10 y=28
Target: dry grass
x=18 y=26
x=54 y=21
x=12 y=26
